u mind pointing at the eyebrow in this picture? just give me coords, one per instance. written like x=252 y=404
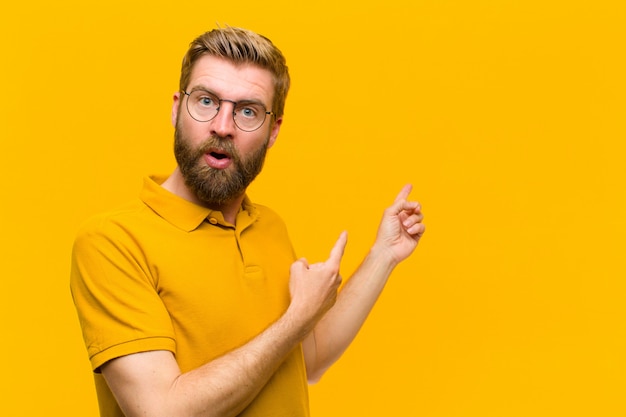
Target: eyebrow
x=244 y=101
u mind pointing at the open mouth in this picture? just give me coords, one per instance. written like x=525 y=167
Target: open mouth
x=218 y=155
x=218 y=159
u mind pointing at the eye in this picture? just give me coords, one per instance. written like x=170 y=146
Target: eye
x=248 y=111
x=207 y=101
x=204 y=100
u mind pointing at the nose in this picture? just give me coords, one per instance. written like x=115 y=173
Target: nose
x=223 y=124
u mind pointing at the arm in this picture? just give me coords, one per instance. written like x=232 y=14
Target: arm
x=151 y=383
x=398 y=235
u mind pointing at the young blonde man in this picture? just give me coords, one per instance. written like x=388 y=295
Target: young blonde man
x=191 y=299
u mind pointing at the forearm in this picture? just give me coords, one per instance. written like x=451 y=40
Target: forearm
x=398 y=234
x=334 y=333
x=234 y=380
x=222 y=387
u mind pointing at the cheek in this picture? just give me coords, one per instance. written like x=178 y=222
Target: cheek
x=252 y=145
x=192 y=132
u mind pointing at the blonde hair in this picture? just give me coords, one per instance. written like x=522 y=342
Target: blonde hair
x=241 y=46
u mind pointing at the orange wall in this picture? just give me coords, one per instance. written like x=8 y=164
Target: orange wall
x=507 y=116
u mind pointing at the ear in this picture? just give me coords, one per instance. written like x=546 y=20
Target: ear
x=175 y=107
x=274 y=131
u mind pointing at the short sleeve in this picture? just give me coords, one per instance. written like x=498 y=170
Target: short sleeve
x=116 y=294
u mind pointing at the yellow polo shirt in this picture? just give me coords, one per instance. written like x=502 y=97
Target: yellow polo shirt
x=165 y=274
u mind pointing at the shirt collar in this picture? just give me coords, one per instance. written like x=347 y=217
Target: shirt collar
x=184 y=214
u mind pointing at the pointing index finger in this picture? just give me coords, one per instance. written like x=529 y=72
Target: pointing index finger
x=404 y=193
x=336 y=252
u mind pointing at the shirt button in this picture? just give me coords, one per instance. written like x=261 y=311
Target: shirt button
x=212 y=220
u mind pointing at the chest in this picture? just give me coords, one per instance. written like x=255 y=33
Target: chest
x=221 y=288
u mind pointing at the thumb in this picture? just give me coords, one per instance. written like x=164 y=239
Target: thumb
x=299 y=265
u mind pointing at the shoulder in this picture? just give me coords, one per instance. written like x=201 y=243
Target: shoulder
x=113 y=224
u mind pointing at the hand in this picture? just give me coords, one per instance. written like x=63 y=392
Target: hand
x=314 y=287
x=401 y=227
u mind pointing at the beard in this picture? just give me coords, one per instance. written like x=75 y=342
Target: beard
x=216 y=187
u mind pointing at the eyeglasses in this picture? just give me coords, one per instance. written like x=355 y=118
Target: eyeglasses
x=203 y=106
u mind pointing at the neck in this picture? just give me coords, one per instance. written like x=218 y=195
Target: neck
x=230 y=209
x=175 y=184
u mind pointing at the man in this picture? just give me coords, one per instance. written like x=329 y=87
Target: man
x=191 y=300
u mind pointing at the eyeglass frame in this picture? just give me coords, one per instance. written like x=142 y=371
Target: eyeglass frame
x=219 y=101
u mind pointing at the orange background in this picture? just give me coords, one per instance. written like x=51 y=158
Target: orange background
x=507 y=116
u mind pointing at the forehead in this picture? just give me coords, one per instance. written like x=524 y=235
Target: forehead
x=232 y=81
